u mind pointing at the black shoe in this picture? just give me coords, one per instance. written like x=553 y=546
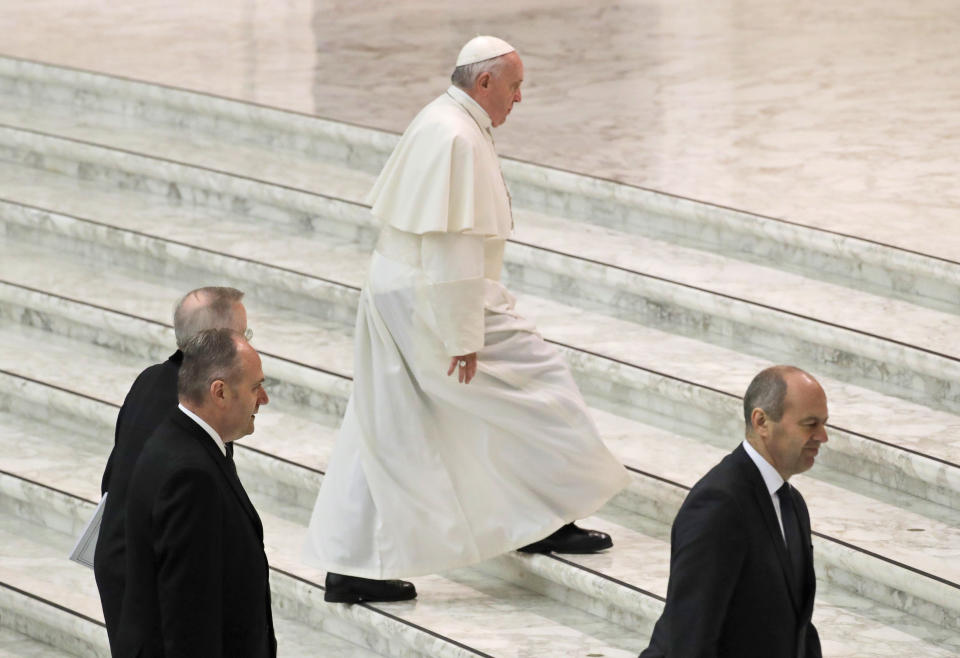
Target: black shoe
x=353 y=589
x=571 y=539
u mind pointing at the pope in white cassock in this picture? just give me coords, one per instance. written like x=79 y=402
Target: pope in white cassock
x=432 y=472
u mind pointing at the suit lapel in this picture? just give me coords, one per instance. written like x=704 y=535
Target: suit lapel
x=206 y=441
x=765 y=503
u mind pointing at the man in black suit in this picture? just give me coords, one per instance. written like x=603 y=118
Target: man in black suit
x=741 y=560
x=151 y=398
x=197 y=578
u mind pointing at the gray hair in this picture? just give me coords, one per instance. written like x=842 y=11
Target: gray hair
x=464 y=76
x=767 y=391
x=208 y=356
x=214 y=310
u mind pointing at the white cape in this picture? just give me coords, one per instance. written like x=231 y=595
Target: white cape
x=444 y=174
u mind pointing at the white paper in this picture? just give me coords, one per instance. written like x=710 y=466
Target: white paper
x=86 y=544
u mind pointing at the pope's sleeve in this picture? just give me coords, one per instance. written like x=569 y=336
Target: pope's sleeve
x=453 y=265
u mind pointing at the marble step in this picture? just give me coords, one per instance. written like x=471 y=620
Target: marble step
x=659 y=259
x=300 y=438
x=859 y=515
x=39 y=525
x=31 y=625
x=464 y=594
x=626 y=585
x=34 y=626
x=340 y=159
x=21 y=645
x=862 y=339
x=671 y=466
x=848 y=623
x=284 y=460
x=633 y=390
x=878 y=420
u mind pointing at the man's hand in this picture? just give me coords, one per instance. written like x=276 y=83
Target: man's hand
x=467 y=364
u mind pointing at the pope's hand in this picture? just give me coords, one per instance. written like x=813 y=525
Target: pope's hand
x=467 y=365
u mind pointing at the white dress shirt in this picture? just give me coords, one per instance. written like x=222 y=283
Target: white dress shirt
x=771 y=478
x=212 y=432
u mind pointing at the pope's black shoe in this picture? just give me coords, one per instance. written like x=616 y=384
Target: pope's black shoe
x=571 y=539
x=353 y=589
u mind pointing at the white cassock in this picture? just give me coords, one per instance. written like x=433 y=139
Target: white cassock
x=429 y=474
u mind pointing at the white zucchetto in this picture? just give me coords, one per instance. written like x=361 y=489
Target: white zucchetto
x=480 y=48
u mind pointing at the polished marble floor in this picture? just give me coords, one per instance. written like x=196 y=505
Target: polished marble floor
x=837 y=115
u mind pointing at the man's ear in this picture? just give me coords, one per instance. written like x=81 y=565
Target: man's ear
x=483 y=80
x=218 y=390
x=759 y=421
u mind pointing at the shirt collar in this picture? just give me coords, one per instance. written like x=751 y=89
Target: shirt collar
x=471 y=106
x=206 y=426
x=770 y=476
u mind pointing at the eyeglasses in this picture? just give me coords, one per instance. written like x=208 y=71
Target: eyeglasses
x=248 y=334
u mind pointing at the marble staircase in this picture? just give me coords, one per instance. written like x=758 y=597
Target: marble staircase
x=117 y=196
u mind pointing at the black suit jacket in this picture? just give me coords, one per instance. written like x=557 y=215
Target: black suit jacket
x=197 y=579
x=731 y=593
x=151 y=398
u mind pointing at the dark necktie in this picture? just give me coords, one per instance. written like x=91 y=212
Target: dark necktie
x=791 y=529
x=230 y=463
x=232 y=467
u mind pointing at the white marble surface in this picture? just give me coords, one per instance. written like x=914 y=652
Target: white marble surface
x=141 y=216
x=291 y=436
x=687 y=471
x=869 y=360
x=906 y=530
x=13 y=644
x=150 y=136
x=53 y=631
x=145 y=217
x=836 y=304
x=839 y=617
x=304 y=347
x=298 y=640
x=919 y=373
x=30 y=549
x=340 y=159
x=282 y=432
x=347 y=263
x=863 y=359
x=464 y=606
x=832 y=115
x=285 y=434
x=358 y=624
x=469 y=596
x=911 y=530
x=104 y=236
x=34 y=560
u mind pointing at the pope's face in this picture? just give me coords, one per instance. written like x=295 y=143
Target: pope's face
x=502 y=89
